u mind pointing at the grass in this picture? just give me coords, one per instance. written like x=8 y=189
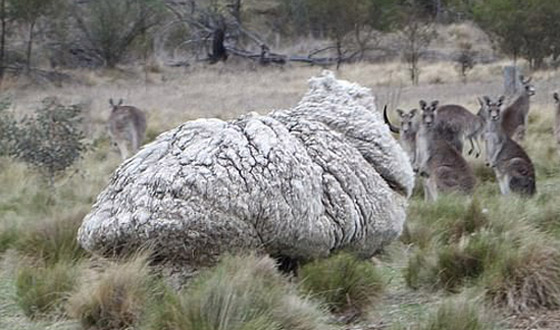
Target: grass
x=505 y=248
x=344 y=282
x=43 y=291
x=114 y=300
x=458 y=313
x=240 y=293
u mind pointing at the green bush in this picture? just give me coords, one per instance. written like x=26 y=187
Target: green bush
x=240 y=293
x=43 y=290
x=343 y=282
x=52 y=140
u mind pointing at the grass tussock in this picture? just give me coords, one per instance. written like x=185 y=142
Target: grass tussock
x=114 y=300
x=343 y=282
x=240 y=293
x=458 y=313
x=41 y=291
x=8 y=236
x=52 y=240
x=506 y=248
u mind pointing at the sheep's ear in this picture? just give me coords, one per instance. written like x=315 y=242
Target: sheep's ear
x=400 y=112
x=413 y=112
x=556 y=97
x=111 y=102
x=120 y=102
x=423 y=104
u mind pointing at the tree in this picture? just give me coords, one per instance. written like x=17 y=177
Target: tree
x=526 y=29
x=29 y=12
x=416 y=33
x=110 y=27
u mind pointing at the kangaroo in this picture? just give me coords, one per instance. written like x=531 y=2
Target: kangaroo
x=440 y=163
x=407 y=130
x=512 y=166
x=457 y=123
x=557 y=121
x=127 y=125
x=515 y=116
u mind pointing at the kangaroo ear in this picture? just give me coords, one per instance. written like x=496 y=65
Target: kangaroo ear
x=423 y=104
x=111 y=102
x=480 y=102
x=487 y=100
x=556 y=97
x=400 y=112
x=435 y=104
x=120 y=102
x=413 y=112
x=528 y=80
x=501 y=99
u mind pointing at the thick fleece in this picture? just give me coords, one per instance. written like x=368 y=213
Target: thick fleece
x=301 y=183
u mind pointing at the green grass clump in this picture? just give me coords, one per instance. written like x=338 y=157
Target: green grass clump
x=52 y=240
x=44 y=290
x=343 y=282
x=458 y=313
x=114 y=300
x=240 y=293
x=8 y=236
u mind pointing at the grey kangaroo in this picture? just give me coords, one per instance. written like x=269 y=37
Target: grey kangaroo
x=456 y=123
x=444 y=169
x=515 y=116
x=557 y=121
x=512 y=166
x=127 y=126
x=407 y=130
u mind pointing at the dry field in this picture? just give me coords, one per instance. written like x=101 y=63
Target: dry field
x=171 y=97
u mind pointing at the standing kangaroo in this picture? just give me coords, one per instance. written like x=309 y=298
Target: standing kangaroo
x=127 y=126
x=441 y=164
x=557 y=121
x=513 y=167
x=456 y=123
x=407 y=130
x=515 y=116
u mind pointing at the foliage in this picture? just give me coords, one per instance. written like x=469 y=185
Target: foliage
x=8 y=127
x=43 y=290
x=343 y=282
x=110 y=27
x=116 y=299
x=52 y=241
x=522 y=28
x=240 y=293
x=52 y=140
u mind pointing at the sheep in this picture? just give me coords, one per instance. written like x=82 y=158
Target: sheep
x=299 y=183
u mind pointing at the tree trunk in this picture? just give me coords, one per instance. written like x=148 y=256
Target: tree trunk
x=511 y=80
x=2 y=38
x=29 y=46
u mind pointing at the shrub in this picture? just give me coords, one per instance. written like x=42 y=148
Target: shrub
x=343 y=282
x=44 y=290
x=52 y=140
x=240 y=293
x=116 y=299
x=52 y=240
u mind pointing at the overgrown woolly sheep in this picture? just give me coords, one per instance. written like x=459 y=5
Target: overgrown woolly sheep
x=298 y=183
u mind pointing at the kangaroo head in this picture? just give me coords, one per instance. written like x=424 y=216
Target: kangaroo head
x=407 y=119
x=493 y=109
x=529 y=88
x=428 y=113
